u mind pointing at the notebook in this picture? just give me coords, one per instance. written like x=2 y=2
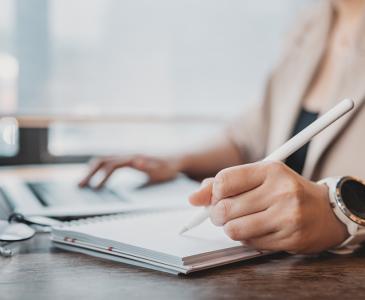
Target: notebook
x=150 y=239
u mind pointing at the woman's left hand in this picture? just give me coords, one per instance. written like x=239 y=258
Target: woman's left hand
x=270 y=207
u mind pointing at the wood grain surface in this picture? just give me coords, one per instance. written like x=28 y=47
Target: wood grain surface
x=39 y=271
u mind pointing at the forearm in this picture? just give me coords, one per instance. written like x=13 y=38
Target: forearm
x=208 y=161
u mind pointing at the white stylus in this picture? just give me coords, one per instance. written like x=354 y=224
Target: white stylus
x=289 y=147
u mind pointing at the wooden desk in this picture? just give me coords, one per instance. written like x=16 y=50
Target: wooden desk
x=42 y=272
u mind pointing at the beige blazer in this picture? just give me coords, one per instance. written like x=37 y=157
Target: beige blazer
x=340 y=149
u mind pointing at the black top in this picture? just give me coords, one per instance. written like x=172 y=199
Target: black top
x=297 y=159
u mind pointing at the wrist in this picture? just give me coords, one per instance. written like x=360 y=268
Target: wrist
x=179 y=163
x=333 y=232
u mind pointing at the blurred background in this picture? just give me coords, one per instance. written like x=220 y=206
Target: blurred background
x=97 y=77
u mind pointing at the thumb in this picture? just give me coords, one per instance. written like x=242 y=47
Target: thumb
x=203 y=196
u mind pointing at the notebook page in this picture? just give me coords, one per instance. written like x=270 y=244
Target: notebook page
x=158 y=232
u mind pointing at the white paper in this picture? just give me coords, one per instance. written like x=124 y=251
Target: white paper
x=158 y=232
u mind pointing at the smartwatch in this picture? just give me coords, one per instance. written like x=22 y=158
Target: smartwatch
x=347 y=199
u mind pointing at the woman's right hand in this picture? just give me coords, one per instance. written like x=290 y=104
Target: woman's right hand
x=157 y=169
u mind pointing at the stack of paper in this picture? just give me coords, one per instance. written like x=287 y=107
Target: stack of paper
x=151 y=240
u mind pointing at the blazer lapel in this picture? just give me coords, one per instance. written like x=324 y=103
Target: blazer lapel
x=352 y=85
x=295 y=77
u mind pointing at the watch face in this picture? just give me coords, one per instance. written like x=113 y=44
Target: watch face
x=353 y=196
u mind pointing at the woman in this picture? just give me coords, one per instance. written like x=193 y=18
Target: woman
x=277 y=206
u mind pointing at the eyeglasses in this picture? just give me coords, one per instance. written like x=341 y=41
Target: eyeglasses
x=20 y=228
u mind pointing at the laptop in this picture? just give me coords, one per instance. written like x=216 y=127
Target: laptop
x=53 y=191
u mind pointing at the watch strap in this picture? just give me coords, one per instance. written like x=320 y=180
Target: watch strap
x=356 y=231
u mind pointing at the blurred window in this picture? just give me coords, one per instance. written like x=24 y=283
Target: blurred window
x=136 y=57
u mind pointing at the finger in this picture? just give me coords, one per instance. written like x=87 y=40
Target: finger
x=249 y=227
x=108 y=171
x=273 y=241
x=237 y=180
x=96 y=165
x=148 y=165
x=279 y=238
x=248 y=203
x=110 y=167
x=144 y=163
x=203 y=196
x=157 y=170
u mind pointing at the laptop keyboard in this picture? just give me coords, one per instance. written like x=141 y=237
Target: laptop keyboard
x=60 y=194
